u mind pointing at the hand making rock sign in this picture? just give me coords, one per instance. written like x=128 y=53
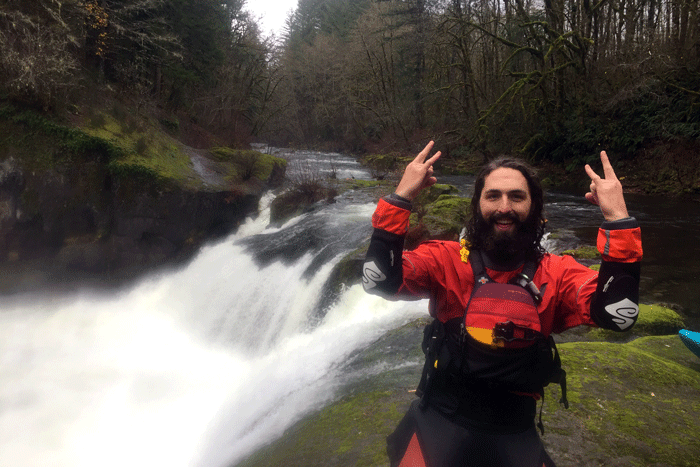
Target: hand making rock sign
x=607 y=192
x=418 y=174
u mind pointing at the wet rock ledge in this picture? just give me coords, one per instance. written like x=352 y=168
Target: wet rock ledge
x=631 y=404
x=106 y=203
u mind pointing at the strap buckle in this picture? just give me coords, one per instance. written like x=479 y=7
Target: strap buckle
x=525 y=282
x=509 y=332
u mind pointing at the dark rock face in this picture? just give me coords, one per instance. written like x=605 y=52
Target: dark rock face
x=80 y=220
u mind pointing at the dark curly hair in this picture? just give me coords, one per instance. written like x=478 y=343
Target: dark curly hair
x=533 y=227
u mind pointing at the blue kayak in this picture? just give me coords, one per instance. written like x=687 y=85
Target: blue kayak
x=691 y=340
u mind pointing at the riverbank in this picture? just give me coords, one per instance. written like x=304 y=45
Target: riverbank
x=658 y=168
x=110 y=195
x=632 y=404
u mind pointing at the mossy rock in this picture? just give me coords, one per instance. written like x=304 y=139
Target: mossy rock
x=376 y=188
x=351 y=431
x=629 y=403
x=447 y=216
x=381 y=165
x=557 y=234
x=583 y=252
x=356 y=184
x=246 y=164
x=653 y=320
x=345 y=274
x=298 y=201
x=442 y=219
x=145 y=148
x=432 y=193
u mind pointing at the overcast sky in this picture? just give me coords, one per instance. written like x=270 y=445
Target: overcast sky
x=271 y=13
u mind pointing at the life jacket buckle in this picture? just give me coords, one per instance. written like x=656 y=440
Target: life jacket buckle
x=509 y=332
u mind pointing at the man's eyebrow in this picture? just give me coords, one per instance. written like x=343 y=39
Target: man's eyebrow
x=510 y=192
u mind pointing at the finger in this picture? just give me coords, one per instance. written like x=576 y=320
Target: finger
x=424 y=153
x=591 y=173
x=607 y=167
x=433 y=159
x=429 y=181
x=592 y=198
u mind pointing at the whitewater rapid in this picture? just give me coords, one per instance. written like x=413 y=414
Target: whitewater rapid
x=193 y=367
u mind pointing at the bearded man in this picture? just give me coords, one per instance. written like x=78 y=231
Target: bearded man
x=497 y=297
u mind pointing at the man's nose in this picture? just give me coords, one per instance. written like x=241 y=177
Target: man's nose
x=504 y=205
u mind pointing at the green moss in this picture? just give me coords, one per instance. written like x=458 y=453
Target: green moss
x=351 y=431
x=268 y=164
x=628 y=403
x=638 y=399
x=431 y=194
x=40 y=143
x=134 y=172
x=381 y=164
x=443 y=218
x=556 y=234
x=145 y=146
x=653 y=320
x=245 y=164
x=356 y=184
x=583 y=252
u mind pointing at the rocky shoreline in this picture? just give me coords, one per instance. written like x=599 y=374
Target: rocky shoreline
x=631 y=404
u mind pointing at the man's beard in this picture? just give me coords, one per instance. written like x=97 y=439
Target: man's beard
x=504 y=247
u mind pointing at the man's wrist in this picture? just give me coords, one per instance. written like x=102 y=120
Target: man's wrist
x=620 y=224
x=400 y=198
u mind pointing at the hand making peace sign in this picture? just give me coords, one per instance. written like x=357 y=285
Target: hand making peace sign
x=418 y=174
x=607 y=192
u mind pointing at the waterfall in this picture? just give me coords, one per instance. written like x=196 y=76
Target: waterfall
x=193 y=367
x=200 y=366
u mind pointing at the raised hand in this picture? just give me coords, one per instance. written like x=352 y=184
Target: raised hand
x=606 y=192
x=418 y=174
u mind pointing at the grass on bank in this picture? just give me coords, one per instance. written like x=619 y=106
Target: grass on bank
x=130 y=146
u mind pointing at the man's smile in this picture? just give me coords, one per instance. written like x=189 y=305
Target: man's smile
x=504 y=224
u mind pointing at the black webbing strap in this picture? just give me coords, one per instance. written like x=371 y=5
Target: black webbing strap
x=559 y=377
x=478 y=268
x=559 y=374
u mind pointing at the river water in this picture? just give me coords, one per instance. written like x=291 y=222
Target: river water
x=202 y=365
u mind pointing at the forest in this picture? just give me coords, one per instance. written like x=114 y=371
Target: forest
x=554 y=81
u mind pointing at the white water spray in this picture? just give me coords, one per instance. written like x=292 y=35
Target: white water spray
x=191 y=368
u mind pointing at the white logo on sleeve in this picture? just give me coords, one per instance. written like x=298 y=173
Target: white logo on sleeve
x=371 y=275
x=623 y=313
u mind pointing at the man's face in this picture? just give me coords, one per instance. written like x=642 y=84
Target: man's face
x=505 y=201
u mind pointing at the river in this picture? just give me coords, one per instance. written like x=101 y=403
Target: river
x=199 y=366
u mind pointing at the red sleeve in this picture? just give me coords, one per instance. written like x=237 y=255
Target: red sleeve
x=390 y=218
x=577 y=284
x=620 y=246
